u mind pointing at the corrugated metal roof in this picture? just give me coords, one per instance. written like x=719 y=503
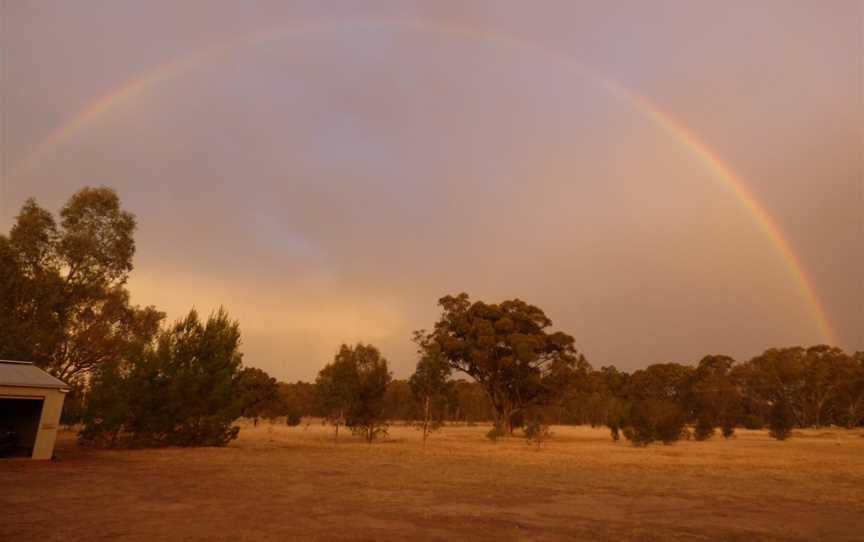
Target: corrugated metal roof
x=25 y=374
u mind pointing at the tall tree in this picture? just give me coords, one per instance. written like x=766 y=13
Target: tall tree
x=62 y=286
x=336 y=385
x=805 y=380
x=258 y=393
x=366 y=413
x=506 y=348
x=430 y=382
x=825 y=369
x=848 y=408
x=715 y=399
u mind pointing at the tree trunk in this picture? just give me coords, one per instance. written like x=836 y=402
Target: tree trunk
x=425 y=420
x=338 y=422
x=505 y=420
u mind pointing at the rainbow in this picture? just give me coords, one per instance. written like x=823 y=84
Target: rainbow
x=128 y=91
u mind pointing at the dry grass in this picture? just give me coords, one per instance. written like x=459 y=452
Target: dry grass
x=280 y=482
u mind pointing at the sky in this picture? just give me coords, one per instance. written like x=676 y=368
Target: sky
x=665 y=179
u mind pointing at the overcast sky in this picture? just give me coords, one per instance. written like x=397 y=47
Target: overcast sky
x=328 y=170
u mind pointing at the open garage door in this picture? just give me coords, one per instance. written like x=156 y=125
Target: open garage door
x=19 y=425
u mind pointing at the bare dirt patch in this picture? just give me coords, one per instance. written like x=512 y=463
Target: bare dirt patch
x=278 y=482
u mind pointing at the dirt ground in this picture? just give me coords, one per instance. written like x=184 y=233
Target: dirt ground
x=278 y=482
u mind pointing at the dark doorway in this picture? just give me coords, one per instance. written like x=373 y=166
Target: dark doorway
x=19 y=424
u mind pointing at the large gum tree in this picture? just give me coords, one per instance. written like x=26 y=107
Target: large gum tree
x=508 y=349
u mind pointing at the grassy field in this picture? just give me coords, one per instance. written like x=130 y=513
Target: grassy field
x=278 y=482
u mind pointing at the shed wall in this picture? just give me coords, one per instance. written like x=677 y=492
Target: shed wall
x=52 y=405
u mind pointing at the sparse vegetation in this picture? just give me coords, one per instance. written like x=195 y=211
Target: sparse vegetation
x=460 y=475
x=537 y=432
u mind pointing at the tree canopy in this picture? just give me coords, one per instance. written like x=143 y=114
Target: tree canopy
x=63 y=302
x=352 y=390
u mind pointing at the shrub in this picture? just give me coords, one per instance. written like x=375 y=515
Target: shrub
x=370 y=431
x=293 y=418
x=616 y=420
x=495 y=433
x=704 y=429
x=537 y=432
x=180 y=391
x=652 y=420
x=728 y=429
x=781 y=420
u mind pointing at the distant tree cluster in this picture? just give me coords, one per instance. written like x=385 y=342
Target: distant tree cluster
x=781 y=389
x=522 y=375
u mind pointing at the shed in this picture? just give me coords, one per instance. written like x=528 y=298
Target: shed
x=30 y=404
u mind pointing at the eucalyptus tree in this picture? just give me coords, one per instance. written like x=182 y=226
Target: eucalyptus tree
x=507 y=348
x=63 y=301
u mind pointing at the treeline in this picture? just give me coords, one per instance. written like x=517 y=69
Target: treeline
x=137 y=381
x=524 y=376
x=466 y=403
x=783 y=388
x=806 y=387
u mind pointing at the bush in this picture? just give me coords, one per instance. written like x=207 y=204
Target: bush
x=728 y=429
x=781 y=420
x=616 y=420
x=495 y=433
x=537 y=432
x=180 y=391
x=652 y=419
x=704 y=429
x=370 y=432
x=293 y=419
